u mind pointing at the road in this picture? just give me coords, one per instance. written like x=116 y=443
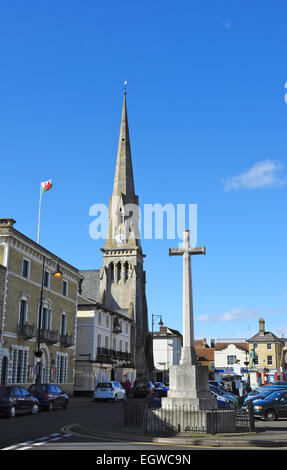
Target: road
x=46 y=431
x=54 y=430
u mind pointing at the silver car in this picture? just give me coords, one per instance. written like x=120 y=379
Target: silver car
x=109 y=390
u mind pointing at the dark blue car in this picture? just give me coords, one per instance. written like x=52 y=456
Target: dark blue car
x=271 y=407
x=261 y=394
x=15 y=399
x=50 y=396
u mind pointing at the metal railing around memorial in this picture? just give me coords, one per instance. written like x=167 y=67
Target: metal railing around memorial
x=187 y=420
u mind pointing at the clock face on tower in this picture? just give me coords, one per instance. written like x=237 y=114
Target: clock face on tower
x=120 y=238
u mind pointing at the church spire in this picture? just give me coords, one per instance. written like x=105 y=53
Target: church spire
x=124 y=180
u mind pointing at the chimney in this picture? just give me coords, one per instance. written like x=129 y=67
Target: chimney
x=5 y=223
x=261 y=326
x=163 y=330
x=212 y=343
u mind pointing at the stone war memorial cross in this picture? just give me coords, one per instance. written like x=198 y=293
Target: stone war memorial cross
x=188 y=381
x=188 y=355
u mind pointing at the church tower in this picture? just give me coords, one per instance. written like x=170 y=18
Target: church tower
x=122 y=278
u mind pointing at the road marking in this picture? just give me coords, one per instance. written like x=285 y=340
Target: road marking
x=38 y=442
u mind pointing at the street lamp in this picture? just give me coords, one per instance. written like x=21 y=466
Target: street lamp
x=152 y=320
x=58 y=273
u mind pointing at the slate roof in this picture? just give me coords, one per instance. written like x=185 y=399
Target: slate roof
x=91 y=283
x=268 y=337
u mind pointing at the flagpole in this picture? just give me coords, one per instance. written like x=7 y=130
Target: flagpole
x=39 y=216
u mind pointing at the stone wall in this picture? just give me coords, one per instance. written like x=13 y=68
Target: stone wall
x=2 y=291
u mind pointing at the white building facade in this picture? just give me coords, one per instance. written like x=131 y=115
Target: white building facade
x=230 y=356
x=104 y=348
x=167 y=344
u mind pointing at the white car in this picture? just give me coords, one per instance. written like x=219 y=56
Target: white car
x=109 y=391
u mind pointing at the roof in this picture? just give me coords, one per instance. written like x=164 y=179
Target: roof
x=204 y=354
x=175 y=332
x=268 y=337
x=201 y=343
x=241 y=346
x=166 y=331
x=85 y=304
x=91 y=283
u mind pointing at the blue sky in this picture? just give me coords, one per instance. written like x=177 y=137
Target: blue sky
x=207 y=114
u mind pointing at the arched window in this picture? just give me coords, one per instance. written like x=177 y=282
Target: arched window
x=121 y=345
x=126 y=268
x=107 y=342
x=114 y=344
x=99 y=318
x=112 y=272
x=99 y=341
x=107 y=321
x=127 y=347
x=119 y=271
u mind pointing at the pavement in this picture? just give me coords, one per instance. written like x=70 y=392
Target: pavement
x=266 y=435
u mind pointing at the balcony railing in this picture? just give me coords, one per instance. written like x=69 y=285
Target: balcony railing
x=49 y=336
x=27 y=331
x=66 y=340
x=111 y=354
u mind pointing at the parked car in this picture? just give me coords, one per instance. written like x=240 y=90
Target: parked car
x=142 y=390
x=272 y=407
x=217 y=383
x=222 y=402
x=255 y=391
x=261 y=394
x=228 y=395
x=160 y=386
x=278 y=384
x=109 y=390
x=16 y=399
x=50 y=396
